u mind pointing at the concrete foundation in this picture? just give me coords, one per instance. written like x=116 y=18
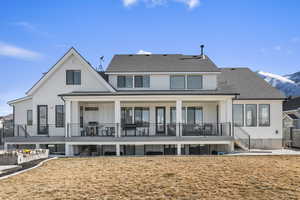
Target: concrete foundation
x=266 y=143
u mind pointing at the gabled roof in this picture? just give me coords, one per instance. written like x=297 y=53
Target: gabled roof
x=161 y=63
x=291 y=104
x=248 y=84
x=70 y=52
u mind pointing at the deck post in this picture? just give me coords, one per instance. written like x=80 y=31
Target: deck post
x=37 y=146
x=69 y=150
x=118 y=149
x=5 y=146
x=178 y=149
x=68 y=118
x=117 y=118
x=178 y=117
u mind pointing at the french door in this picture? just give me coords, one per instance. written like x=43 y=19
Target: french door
x=42 y=114
x=160 y=120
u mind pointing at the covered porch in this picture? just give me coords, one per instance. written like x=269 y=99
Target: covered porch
x=148 y=116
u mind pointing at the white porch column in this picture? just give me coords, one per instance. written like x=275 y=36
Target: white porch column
x=75 y=120
x=179 y=149
x=69 y=150
x=68 y=117
x=117 y=118
x=222 y=111
x=229 y=110
x=118 y=149
x=5 y=146
x=178 y=117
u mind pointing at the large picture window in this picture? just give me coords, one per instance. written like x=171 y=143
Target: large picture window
x=142 y=81
x=125 y=81
x=264 y=114
x=251 y=115
x=73 y=77
x=238 y=114
x=29 y=117
x=59 y=116
x=194 y=82
x=177 y=82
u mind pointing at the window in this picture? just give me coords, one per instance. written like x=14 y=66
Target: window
x=141 y=81
x=264 y=114
x=238 y=114
x=42 y=116
x=126 y=115
x=29 y=117
x=125 y=81
x=194 y=115
x=81 y=116
x=177 y=82
x=141 y=115
x=251 y=115
x=59 y=116
x=173 y=115
x=73 y=77
x=194 y=82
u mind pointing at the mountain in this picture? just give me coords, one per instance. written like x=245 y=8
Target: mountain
x=288 y=84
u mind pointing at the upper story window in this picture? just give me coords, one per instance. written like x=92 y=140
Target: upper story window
x=73 y=77
x=125 y=82
x=142 y=81
x=194 y=82
x=177 y=82
x=186 y=82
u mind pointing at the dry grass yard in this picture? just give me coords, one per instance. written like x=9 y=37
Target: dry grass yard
x=253 y=177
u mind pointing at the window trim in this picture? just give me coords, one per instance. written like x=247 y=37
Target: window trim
x=57 y=125
x=29 y=122
x=73 y=77
x=246 y=116
x=269 y=115
x=243 y=115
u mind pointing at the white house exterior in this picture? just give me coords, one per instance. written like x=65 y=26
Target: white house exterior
x=146 y=105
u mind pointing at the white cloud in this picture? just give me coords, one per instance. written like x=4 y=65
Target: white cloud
x=143 y=52
x=18 y=52
x=128 y=3
x=189 y=3
x=277 y=48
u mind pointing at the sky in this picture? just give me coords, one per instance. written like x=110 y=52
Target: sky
x=259 y=34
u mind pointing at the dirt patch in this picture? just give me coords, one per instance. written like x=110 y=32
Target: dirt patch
x=209 y=177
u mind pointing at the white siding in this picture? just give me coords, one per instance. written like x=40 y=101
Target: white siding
x=21 y=111
x=275 y=119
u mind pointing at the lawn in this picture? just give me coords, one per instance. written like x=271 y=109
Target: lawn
x=207 y=177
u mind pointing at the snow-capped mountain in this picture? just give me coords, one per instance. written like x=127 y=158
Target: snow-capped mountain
x=288 y=84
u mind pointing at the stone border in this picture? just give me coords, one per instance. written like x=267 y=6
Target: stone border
x=25 y=170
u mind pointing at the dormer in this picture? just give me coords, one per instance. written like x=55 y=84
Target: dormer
x=162 y=72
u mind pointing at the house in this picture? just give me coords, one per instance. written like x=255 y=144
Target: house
x=147 y=105
x=291 y=113
x=6 y=122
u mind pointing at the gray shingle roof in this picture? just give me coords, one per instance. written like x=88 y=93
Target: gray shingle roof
x=248 y=84
x=161 y=63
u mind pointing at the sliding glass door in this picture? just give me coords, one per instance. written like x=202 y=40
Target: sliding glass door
x=160 y=120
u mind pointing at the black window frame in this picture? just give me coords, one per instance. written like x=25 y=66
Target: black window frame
x=187 y=82
x=70 y=73
x=246 y=119
x=242 y=114
x=57 y=123
x=123 y=79
x=42 y=129
x=260 y=116
x=145 y=81
x=29 y=121
x=140 y=110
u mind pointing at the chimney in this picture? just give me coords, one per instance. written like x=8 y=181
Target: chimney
x=202 y=51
